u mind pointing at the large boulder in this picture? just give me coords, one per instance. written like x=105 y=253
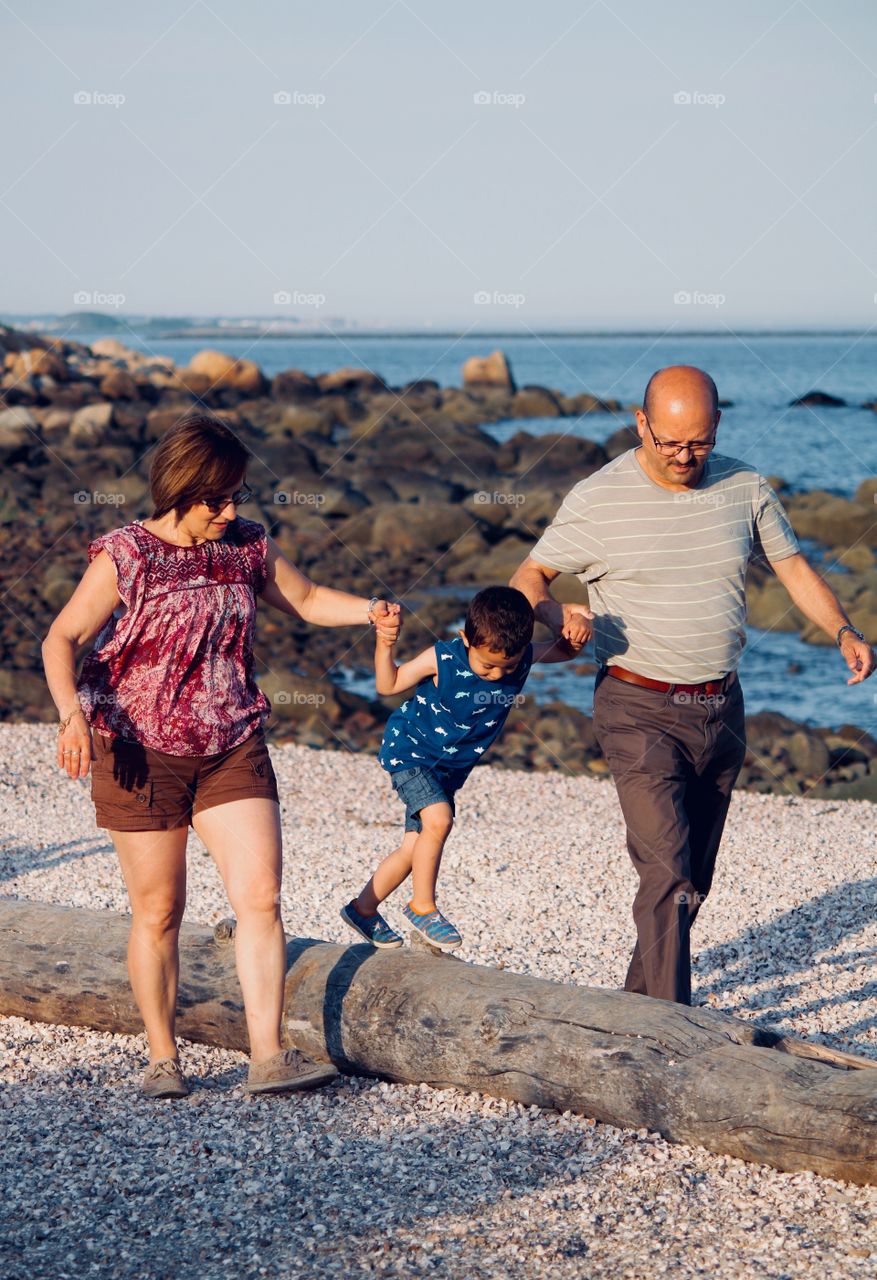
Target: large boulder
x=294 y=384
x=118 y=384
x=830 y=519
x=423 y=527
x=622 y=440
x=224 y=371
x=489 y=371
x=92 y=424
x=18 y=428
x=40 y=362
x=535 y=402
x=350 y=380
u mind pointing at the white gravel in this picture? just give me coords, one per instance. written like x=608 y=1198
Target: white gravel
x=365 y=1178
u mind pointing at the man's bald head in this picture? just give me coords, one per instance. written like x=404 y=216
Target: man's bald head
x=681 y=391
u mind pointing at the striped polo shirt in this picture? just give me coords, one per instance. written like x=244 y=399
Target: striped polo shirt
x=665 y=569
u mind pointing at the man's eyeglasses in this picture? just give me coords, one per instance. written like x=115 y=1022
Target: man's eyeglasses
x=669 y=449
x=215 y=505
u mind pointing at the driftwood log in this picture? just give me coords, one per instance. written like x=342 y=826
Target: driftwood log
x=693 y=1075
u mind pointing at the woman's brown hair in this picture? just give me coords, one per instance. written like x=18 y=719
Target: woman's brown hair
x=200 y=457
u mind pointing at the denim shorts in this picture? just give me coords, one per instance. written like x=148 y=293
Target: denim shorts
x=419 y=787
x=137 y=789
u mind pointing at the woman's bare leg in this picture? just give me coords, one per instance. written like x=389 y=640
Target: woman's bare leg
x=243 y=837
x=154 y=869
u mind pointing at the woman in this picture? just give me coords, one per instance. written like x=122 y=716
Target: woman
x=168 y=715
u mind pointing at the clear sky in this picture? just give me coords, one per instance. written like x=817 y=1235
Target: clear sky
x=386 y=190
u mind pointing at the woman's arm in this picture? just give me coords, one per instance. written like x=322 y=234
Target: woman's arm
x=393 y=679
x=79 y=621
x=293 y=592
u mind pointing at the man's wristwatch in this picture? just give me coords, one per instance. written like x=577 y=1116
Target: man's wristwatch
x=848 y=626
x=371 y=608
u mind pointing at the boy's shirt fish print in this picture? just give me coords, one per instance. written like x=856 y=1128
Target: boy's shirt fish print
x=450 y=725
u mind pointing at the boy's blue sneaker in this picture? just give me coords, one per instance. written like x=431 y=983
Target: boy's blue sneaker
x=433 y=926
x=373 y=928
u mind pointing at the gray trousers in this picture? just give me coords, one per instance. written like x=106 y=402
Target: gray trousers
x=674 y=760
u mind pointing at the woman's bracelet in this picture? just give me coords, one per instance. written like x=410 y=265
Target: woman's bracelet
x=62 y=724
x=372 y=604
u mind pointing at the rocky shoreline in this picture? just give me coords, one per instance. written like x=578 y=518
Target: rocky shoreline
x=375 y=488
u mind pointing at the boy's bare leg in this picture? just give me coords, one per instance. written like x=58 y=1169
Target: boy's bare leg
x=436 y=821
x=394 y=869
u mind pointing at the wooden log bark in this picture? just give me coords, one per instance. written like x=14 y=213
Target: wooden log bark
x=693 y=1075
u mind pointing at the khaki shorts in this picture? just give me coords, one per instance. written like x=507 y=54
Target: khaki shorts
x=137 y=789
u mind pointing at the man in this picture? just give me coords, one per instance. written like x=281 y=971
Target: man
x=662 y=536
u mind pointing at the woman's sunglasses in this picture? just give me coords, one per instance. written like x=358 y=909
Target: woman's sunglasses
x=215 y=505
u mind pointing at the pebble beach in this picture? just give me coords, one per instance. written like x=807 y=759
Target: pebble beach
x=366 y=1178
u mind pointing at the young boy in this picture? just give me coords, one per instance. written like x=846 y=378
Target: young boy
x=465 y=688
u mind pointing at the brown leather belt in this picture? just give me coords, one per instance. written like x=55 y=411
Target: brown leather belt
x=709 y=688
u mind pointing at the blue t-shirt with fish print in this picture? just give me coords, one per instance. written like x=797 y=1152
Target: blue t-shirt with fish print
x=450 y=725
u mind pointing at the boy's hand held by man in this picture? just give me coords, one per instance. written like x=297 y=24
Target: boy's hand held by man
x=576 y=628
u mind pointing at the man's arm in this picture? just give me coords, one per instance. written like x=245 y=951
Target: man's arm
x=816 y=600
x=567 y=621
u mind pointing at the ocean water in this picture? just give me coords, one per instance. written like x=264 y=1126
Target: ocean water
x=808 y=448
x=834 y=449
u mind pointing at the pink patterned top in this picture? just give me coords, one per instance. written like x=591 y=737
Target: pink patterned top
x=174 y=668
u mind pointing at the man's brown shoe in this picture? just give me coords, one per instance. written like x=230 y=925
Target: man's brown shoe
x=287 y=1072
x=165 y=1079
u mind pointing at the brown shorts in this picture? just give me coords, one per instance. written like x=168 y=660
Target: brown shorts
x=137 y=789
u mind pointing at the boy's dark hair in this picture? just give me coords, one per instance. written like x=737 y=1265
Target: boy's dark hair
x=501 y=619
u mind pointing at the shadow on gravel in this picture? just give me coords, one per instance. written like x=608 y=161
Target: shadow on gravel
x=774 y=954
x=16 y=860
x=97 y=1182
